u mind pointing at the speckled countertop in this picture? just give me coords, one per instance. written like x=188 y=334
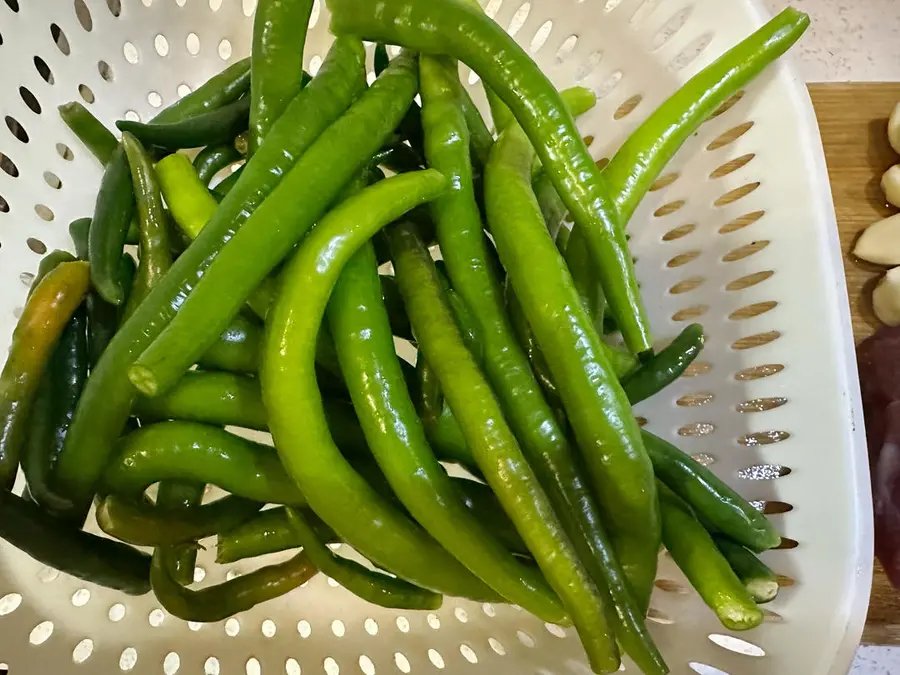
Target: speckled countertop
x=852 y=41
x=848 y=41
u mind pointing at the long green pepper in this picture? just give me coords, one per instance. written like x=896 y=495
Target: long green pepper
x=337 y=493
x=596 y=405
x=108 y=396
x=276 y=62
x=361 y=329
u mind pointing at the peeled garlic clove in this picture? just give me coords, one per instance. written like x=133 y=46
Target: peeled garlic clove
x=880 y=243
x=894 y=129
x=886 y=298
x=890 y=183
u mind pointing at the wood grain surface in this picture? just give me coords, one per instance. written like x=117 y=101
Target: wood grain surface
x=852 y=120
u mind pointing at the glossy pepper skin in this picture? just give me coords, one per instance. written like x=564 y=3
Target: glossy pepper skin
x=374 y=587
x=106 y=237
x=597 y=408
x=216 y=603
x=190 y=203
x=83 y=555
x=52 y=410
x=713 y=501
x=108 y=396
x=642 y=157
x=43 y=320
x=666 y=366
x=202 y=454
x=268 y=236
x=155 y=251
x=695 y=553
x=337 y=493
x=181 y=498
x=761 y=582
x=361 y=330
x=209 y=128
x=495 y=448
x=213 y=158
x=90 y=131
x=220 y=90
x=463 y=31
x=276 y=62
x=145 y=525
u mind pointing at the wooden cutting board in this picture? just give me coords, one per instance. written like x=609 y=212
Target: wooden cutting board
x=853 y=120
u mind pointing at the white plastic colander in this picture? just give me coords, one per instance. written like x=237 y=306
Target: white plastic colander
x=739 y=234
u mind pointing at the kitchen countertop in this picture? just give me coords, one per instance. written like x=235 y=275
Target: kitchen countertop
x=852 y=41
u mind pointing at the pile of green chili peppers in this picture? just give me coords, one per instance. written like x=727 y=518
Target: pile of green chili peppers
x=126 y=370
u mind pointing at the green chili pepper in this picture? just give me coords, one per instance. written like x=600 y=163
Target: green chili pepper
x=666 y=366
x=145 y=525
x=155 y=252
x=43 y=320
x=85 y=556
x=552 y=208
x=220 y=90
x=90 y=131
x=596 y=405
x=106 y=237
x=466 y=33
x=267 y=532
x=393 y=303
x=695 y=553
x=52 y=410
x=481 y=140
x=276 y=62
x=374 y=587
x=201 y=454
x=495 y=448
x=584 y=277
x=761 y=582
x=642 y=157
x=189 y=201
x=237 y=349
x=213 y=158
x=216 y=126
x=108 y=396
x=217 y=603
x=336 y=492
x=715 y=502
x=361 y=329
x=268 y=236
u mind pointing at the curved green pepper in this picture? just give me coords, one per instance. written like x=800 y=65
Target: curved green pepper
x=85 y=556
x=217 y=603
x=237 y=349
x=106 y=237
x=43 y=320
x=267 y=532
x=190 y=203
x=209 y=128
x=596 y=405
x=761 y=582
x=276 y=62
x=202 y=454
x=374 y=587
x=155 y=253
x=665 y=367
x=361 y=330
x=145 y=525
x=220 y=90
x=336 y=492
